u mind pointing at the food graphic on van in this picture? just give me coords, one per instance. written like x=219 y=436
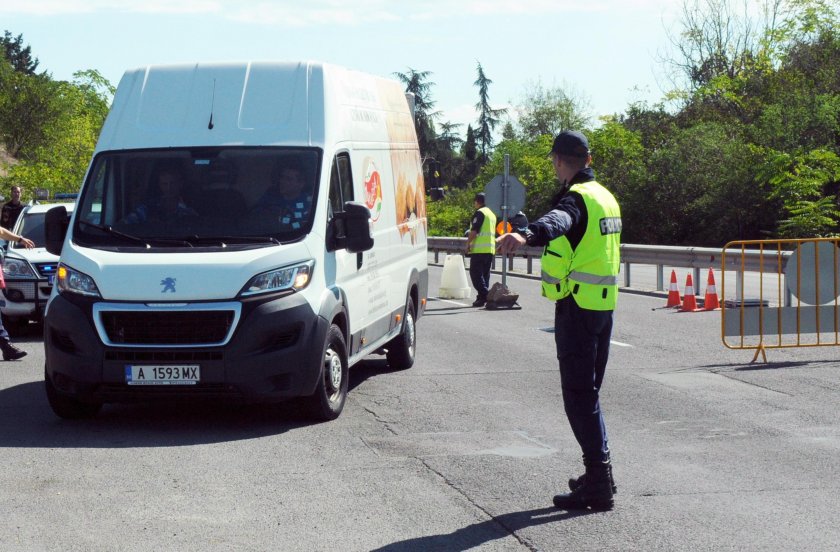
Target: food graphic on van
x=373 y=190
x=410 y=196
x=420 y=200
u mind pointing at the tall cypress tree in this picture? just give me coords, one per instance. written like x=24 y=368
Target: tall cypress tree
x=488 y=118
x=418 y=84
x=20 y=57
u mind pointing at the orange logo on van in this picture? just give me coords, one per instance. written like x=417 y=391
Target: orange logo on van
x=373 y=191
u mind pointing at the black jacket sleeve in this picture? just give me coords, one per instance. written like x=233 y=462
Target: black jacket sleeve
x=477 y=221
x=568 y=218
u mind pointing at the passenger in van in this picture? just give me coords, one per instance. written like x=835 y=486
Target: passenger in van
x=165 y=202
x=289 y=198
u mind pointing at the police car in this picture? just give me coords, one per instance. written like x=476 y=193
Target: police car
x=28 y=273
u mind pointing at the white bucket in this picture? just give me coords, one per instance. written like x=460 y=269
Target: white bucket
x=453 y=281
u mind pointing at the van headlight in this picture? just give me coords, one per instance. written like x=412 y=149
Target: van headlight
x=73 y=281
x=17 y=268
x=294 y=278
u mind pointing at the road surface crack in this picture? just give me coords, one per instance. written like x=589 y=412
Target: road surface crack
x=495 y=519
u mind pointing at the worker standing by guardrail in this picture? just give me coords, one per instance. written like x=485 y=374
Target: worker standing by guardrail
x=481 y=247
x=580 y=268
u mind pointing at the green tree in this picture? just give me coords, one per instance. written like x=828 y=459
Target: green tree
x=618 y=158
x=466 y=164
x=27 y=105
x=450 y=216
x=18 y=56
x=803 y=182
x=700 y=190
x=417 y=83
x=529 y=163
x=801 y=102
x=488 y=117
x=551 y=110
x=66 y=140
x=722 y=38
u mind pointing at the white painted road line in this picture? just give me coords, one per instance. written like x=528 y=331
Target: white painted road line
x=450 y=302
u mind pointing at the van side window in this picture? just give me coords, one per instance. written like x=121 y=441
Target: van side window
x=341 y=183
x=96 y=195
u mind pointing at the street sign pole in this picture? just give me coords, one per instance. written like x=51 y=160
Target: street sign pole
x=505 y=194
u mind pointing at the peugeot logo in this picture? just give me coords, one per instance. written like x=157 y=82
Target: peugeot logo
x=168 y=285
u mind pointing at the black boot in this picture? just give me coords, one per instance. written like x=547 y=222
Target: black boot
x=595 y=491
x=10 y=352
x=574 y=483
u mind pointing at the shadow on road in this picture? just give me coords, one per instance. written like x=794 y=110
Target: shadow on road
x=26 y=419
x=475 y=535
x=742 y=367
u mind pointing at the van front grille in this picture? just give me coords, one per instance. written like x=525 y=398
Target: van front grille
x=167 y=327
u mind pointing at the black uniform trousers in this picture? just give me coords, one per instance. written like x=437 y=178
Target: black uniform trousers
x=480 y=264
x=583 y=346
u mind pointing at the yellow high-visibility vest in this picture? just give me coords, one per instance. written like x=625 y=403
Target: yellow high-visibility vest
x=485 y=241
x=589 y=273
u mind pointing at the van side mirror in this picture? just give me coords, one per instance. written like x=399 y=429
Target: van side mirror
x=350 y=229
x=56 y=222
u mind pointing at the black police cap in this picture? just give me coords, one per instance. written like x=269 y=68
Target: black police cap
x=571 y=143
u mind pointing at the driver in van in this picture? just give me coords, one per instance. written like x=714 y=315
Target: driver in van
x=167 y=203
x=288 y=196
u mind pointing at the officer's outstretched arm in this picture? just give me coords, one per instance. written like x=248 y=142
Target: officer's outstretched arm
x=508 y=243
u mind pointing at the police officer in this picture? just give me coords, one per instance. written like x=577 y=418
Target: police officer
x=579 y=271
x=11 y=209
x=481 y=246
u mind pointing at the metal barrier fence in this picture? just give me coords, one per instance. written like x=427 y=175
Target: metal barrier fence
x=807 y=272
x=660 y=256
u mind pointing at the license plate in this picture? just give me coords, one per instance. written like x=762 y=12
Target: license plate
x=50 y=279
x=162 y=375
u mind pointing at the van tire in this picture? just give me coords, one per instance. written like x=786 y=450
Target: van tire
x=66 y=407
x=327 y=402
x=402 y=349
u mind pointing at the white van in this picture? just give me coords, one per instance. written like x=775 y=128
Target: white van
x=245 y=231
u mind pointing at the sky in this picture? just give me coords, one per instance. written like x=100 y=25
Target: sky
x=605 y=53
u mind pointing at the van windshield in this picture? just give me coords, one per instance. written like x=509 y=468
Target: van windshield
x=202 y=197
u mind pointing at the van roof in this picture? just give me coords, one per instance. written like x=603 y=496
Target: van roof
x=248 y=104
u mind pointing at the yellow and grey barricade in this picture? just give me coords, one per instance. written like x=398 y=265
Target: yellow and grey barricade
x=798 y=294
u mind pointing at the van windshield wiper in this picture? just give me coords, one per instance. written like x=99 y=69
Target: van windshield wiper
x=195 y=239
x=137 y=239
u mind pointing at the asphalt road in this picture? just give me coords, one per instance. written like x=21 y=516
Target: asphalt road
x=462 y=452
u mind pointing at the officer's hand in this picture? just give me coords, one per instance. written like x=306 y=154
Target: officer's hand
x=508 y=243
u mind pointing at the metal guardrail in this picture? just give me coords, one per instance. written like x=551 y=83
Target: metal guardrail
x=696 y=258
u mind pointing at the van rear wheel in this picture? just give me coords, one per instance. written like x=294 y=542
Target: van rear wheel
x=402 y=349
x=331 y=392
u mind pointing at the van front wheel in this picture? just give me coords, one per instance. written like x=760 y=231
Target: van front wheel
x=401 y=349
x=331 y=392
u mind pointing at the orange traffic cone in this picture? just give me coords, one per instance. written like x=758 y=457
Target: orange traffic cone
x=673 y=292
x=689 y=301
x=710 y=301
